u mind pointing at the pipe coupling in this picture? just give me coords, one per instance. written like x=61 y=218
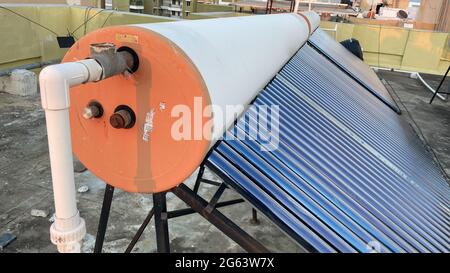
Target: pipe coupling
x=67 y=234
x=113 y=62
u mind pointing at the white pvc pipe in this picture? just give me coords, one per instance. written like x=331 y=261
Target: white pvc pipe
x=428 y=86
x=413 y=75
x=69 y=228
x=58 y=131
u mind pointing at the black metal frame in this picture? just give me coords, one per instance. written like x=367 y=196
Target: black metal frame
x=440 y=85
x=196 y=205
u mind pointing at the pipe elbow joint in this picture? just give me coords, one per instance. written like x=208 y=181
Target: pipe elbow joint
x=55 y=81
x=54 y=88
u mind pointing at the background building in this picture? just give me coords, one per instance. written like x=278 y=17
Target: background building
x=429 y=14
x=424 y=14
x=184 y=8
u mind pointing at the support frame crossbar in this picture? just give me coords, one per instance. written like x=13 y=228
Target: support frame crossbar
x=208 y=210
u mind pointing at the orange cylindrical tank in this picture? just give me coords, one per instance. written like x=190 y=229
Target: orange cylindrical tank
x=136 y=159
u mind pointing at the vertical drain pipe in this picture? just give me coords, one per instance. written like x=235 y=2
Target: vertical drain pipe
x=55 y=81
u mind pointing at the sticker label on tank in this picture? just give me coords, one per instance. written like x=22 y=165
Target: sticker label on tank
x=127 y=38
x=148 y=125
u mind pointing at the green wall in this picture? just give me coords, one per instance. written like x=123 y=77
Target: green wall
x=398 y=48
x=121 y=5
x=24 y=42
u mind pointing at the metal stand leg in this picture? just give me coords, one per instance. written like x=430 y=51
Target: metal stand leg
x=197 y=205
x=440 y=85
x=199 y=178
x=254 y=220
x=104 y=216
x=140 y=231
x=218 y=219
x=161 y=225
x=292 y=7
x=269 y=6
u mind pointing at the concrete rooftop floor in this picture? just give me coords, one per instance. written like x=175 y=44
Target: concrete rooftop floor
x=25 y=184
